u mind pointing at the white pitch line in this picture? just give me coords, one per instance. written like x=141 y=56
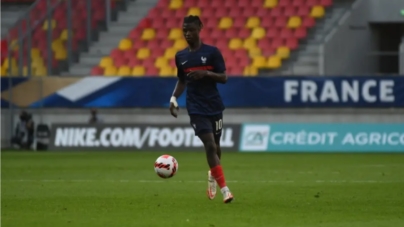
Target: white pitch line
x=201 y=181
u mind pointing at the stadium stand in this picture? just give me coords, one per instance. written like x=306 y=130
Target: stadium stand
x=58 y=26
x=251 y=35
x=254 y=36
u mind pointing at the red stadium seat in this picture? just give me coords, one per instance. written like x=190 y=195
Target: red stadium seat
x=216 y=4
x=286 y=33
x=163 y=4
x=326 y=3
x=221 y=12
x=276 y=12
x=145 y=23
x=167 y=15
x=277 y=42
x=179 y=14
x=137 y=44
x=202 y=4
x=211 y=22
x=230 y=3
x=97 y=71
x=230 y=33
x=116 y=53
x=243 y=60
x=121 y=61
x=263 y=13
x=132 y=62
x=153 y=13
x=172 y=62
x=154 y=44
x=303 y=11
x=285 y=3
x=244 y=33
x=190 y=3
x=300 y=33
x=221 y=44
x=267 y=22
x=312 y=3
x=152 y=71
x=246 y=4
x=217 y=34
x=166 y=44
x=173 y=23
x=308 y=22
x=235 y=12
x=257 y=3
x=290 y=11
x=162 y=33
x=299 y=3
x=241 y=53
x=239 y=22
x=247 y=12
x=281 y=22
x=272 y=32
x=135 y=33
x=292 y=43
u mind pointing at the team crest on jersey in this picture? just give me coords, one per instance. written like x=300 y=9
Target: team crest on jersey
x=203 y=59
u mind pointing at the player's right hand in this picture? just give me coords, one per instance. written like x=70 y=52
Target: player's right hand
x=174 y=107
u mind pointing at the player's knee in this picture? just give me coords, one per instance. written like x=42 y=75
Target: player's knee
x=210 y=146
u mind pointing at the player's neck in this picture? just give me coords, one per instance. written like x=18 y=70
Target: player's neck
x=194 y=46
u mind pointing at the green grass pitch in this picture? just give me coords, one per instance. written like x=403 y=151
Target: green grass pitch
x=120 y=189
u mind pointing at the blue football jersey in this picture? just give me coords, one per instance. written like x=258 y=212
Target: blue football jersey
x=203 y=98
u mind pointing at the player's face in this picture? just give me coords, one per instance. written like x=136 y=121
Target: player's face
x=191 y=32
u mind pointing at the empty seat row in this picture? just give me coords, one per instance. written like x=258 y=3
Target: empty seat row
x=262 y=33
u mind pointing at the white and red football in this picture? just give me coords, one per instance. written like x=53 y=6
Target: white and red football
x=166 y=166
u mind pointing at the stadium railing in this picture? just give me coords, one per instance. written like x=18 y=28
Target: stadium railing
x=48 y=37
x=402 y=57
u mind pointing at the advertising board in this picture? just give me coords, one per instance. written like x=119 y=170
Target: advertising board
x=112 y=137
x=257 y=92
x=314 y=137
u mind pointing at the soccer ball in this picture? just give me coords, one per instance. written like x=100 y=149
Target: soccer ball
x=166 y=166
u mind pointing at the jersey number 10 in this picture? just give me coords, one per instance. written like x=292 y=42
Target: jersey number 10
x=219 y=125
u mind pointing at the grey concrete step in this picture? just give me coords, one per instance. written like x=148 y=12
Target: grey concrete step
x=10 y=16
x=90 y=60
x=310 y=60
x=304 y=70
x=110 y=39
x=79 y=71
x=306 y=59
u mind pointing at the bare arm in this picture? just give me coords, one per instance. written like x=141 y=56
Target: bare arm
x=179 y=88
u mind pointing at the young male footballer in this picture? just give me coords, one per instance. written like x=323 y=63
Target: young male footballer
x=200 y=67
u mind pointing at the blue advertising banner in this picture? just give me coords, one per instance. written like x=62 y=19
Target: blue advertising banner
x=316 y=137
x=258 y=92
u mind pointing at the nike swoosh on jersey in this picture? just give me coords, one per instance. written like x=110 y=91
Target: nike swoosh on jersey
x=184 y=62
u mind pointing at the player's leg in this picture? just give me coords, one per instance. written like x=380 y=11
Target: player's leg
x=218 y=150
x=203 y=125
x=217 y=126
x=216 y=170
x=205 y=129
x=211 y=180
x=208 y=141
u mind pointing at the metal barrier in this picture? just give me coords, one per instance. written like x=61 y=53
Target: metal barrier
x=402 y=57
x=47 y=38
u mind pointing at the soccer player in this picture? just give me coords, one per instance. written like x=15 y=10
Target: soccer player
x=200 y=67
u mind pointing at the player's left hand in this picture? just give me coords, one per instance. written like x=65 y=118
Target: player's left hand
x=198 y=74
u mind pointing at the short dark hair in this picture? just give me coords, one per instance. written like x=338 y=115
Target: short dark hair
x=193 y=19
